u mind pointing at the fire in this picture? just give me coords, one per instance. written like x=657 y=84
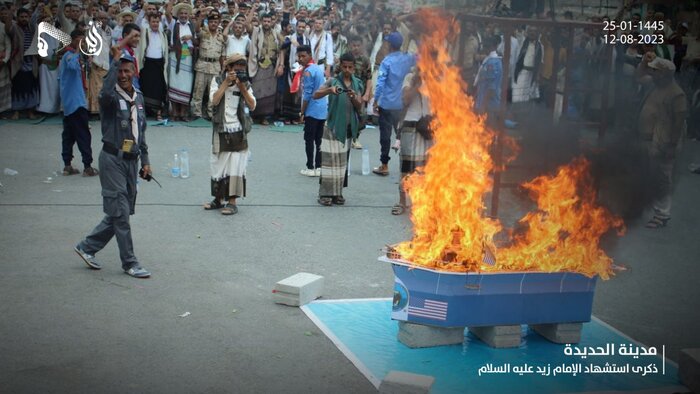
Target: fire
x=451 y=229
x=563 y=234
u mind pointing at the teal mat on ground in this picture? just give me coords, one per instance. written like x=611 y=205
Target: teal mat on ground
x=54 y=120
x=288 y=128
x=198 y=123
x=25 y=120
x=365 y=333
x=195 y=123
x=45 y=120
x=161 y=123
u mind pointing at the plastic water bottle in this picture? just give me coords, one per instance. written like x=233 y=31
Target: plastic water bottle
x=365 y=161
x=184 y=164
x=175 y=169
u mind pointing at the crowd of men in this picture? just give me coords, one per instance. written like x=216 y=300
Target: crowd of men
x=179 y=48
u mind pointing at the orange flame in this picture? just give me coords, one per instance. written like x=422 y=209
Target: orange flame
x=451 y=229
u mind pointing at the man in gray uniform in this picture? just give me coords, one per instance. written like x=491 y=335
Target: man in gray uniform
x=124 y=138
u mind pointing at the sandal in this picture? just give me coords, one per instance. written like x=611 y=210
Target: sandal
x=265 y=122
x=159 y=117
x=339 y=200
x=70 y=170
x=325 y=201
x=214 y=204
x=229 y=209
x=657 y=222
x=398 y=209
x=90 y=171
x=380 y=171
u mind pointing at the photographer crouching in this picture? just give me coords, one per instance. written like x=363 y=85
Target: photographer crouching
x=124 y=137
x=231 y=98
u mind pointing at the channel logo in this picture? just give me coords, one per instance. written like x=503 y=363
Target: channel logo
x=91 y=46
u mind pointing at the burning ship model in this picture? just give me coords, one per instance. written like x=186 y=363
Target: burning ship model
x=453 y=273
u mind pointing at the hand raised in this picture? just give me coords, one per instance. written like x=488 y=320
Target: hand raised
x=115 y=52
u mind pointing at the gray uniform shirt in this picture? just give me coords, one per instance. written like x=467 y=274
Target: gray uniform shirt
x=115 y=113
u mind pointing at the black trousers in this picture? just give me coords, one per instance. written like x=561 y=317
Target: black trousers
x=75 y=129
x=313 y=132
x=388 y=121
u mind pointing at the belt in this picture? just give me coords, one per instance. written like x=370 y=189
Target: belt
x=322 y=62
x=410 y=123
x=107 y=148
x=208 y=59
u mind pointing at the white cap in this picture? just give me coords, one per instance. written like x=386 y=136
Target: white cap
x=660 y=63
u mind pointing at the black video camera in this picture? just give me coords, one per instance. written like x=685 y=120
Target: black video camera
x=341 y=90
x=242 y=76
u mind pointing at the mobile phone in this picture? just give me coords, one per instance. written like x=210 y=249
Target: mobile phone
x=127 y=145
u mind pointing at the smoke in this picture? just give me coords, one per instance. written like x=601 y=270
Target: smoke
x=620 y=164
x=622 y=171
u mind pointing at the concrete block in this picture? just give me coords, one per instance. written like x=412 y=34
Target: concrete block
x=559 y=333
x=418 y=335
x=689 y=368
x=286 y=299
x=498 y=336
x=298 y=289
x=397 y=382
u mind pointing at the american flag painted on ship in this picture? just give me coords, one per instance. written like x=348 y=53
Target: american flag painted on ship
x=428 y=309
x=489 y=257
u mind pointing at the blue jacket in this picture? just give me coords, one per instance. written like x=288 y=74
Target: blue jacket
x=392 y=72
x=70 y=78
x=489 y=84
x=313 y=79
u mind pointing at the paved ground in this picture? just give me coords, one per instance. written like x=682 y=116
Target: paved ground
x=65 y=328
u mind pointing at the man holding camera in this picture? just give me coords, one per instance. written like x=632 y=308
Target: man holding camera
x=231 y=97
x=124 y=138
x=342 y=127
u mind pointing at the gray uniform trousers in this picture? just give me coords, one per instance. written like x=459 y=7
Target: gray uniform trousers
x=118 y=180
